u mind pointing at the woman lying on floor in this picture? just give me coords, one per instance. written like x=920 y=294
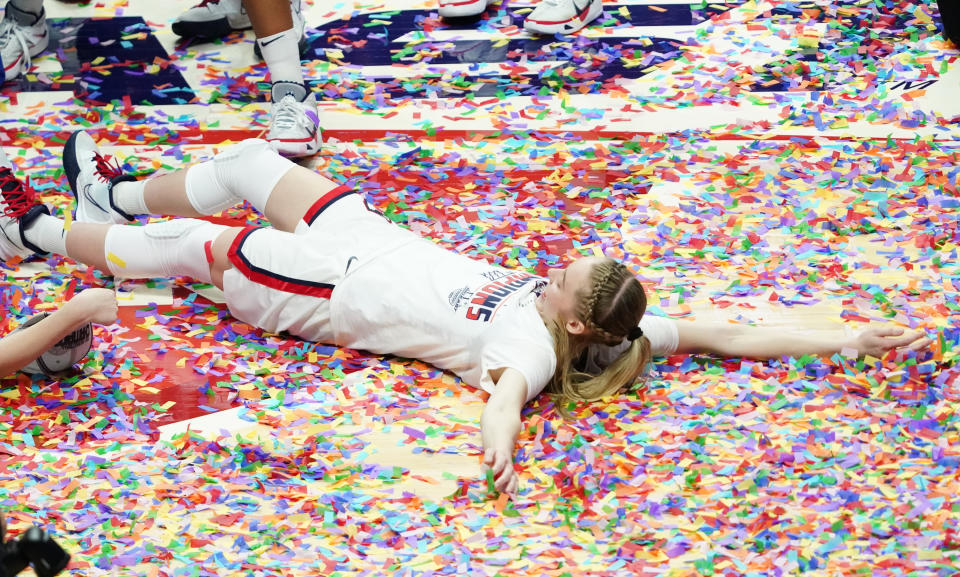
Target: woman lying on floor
x=332 y=270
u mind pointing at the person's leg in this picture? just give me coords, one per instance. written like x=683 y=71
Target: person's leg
x=950 y=18
x=278 y=37
x=281 y=190
x=250 y=171
x=180 y=247
x=294 y=121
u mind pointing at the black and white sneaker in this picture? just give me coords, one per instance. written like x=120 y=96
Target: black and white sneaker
x=92 y=179
x=212 y=19
x=18 y=208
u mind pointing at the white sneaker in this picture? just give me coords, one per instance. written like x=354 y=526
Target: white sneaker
x=294 y=121
x=92 y=179
x=23 y=35
x=461 y=8
x=562 y=16
x=18 y=208
x=212 y=19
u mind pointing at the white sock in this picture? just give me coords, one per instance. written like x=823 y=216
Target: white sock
x=282 y=55
x=128 y=196
x=32 y=6
x=177 y=247
x=246 y=171
x=47 y=233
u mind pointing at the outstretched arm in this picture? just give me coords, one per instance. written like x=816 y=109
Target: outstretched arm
x=18 y=349
x=499 y=427
x=732 y=340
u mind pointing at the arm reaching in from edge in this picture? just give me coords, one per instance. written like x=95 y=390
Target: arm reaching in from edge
x=732 y=340
x=17 y=350
x=499 y=427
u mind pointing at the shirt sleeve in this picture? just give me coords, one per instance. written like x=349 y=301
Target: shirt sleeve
x=535 y=361
x=660 y=331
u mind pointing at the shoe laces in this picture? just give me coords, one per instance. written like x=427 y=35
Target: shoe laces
x=106 y=171
x=10 y=32
x=17 y=198
x=288 y=113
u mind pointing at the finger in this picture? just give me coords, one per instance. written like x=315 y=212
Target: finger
x=503 y=481
x=901 y=341
x=488 y=456
x=495 y=463
x=512 y=487
x=920 y=344
x=888 y=331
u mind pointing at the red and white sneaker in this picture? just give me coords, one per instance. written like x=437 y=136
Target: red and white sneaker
x=461 y=8
x=18 y=208
x=294 y=122
x=23 y=35
x=562 y=16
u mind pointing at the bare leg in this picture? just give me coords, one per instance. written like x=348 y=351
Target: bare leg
x=167 y=195
x=296 y=190
x=269 y=16
x=220 y=248
x=85 y=242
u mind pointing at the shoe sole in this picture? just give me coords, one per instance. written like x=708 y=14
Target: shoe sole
x=70 y=164
x=296 y=149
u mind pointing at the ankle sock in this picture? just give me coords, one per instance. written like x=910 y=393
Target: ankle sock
x=47 y=232
x=282 y=56
x=128 y=197
x=35 y=7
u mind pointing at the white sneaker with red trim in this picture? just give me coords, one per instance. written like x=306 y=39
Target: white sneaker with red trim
x=461 y=8
x=562 y=16
x=18 y=208
x=23 y=35
x=294 y=123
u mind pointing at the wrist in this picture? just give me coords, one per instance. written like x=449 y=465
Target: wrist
x=75 y=313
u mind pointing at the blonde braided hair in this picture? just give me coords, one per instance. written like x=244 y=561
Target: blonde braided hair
x=610 y=312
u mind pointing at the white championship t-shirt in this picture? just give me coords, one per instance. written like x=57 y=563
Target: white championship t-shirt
x=422 y=301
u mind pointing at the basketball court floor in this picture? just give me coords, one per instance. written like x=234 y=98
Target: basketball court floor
x=787 y=164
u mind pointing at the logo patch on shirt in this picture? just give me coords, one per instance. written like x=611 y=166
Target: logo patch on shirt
x=485 y=302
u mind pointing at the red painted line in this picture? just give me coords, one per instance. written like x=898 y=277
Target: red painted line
x=12 y=137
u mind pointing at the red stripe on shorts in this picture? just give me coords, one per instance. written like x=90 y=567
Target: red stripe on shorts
x=325 y=201
x=269 y=278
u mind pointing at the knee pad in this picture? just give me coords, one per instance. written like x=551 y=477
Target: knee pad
x=250 y=170
x=206 y=194
x=177 y=247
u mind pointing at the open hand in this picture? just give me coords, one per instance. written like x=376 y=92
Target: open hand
x=501 y=463
x=878 y=342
